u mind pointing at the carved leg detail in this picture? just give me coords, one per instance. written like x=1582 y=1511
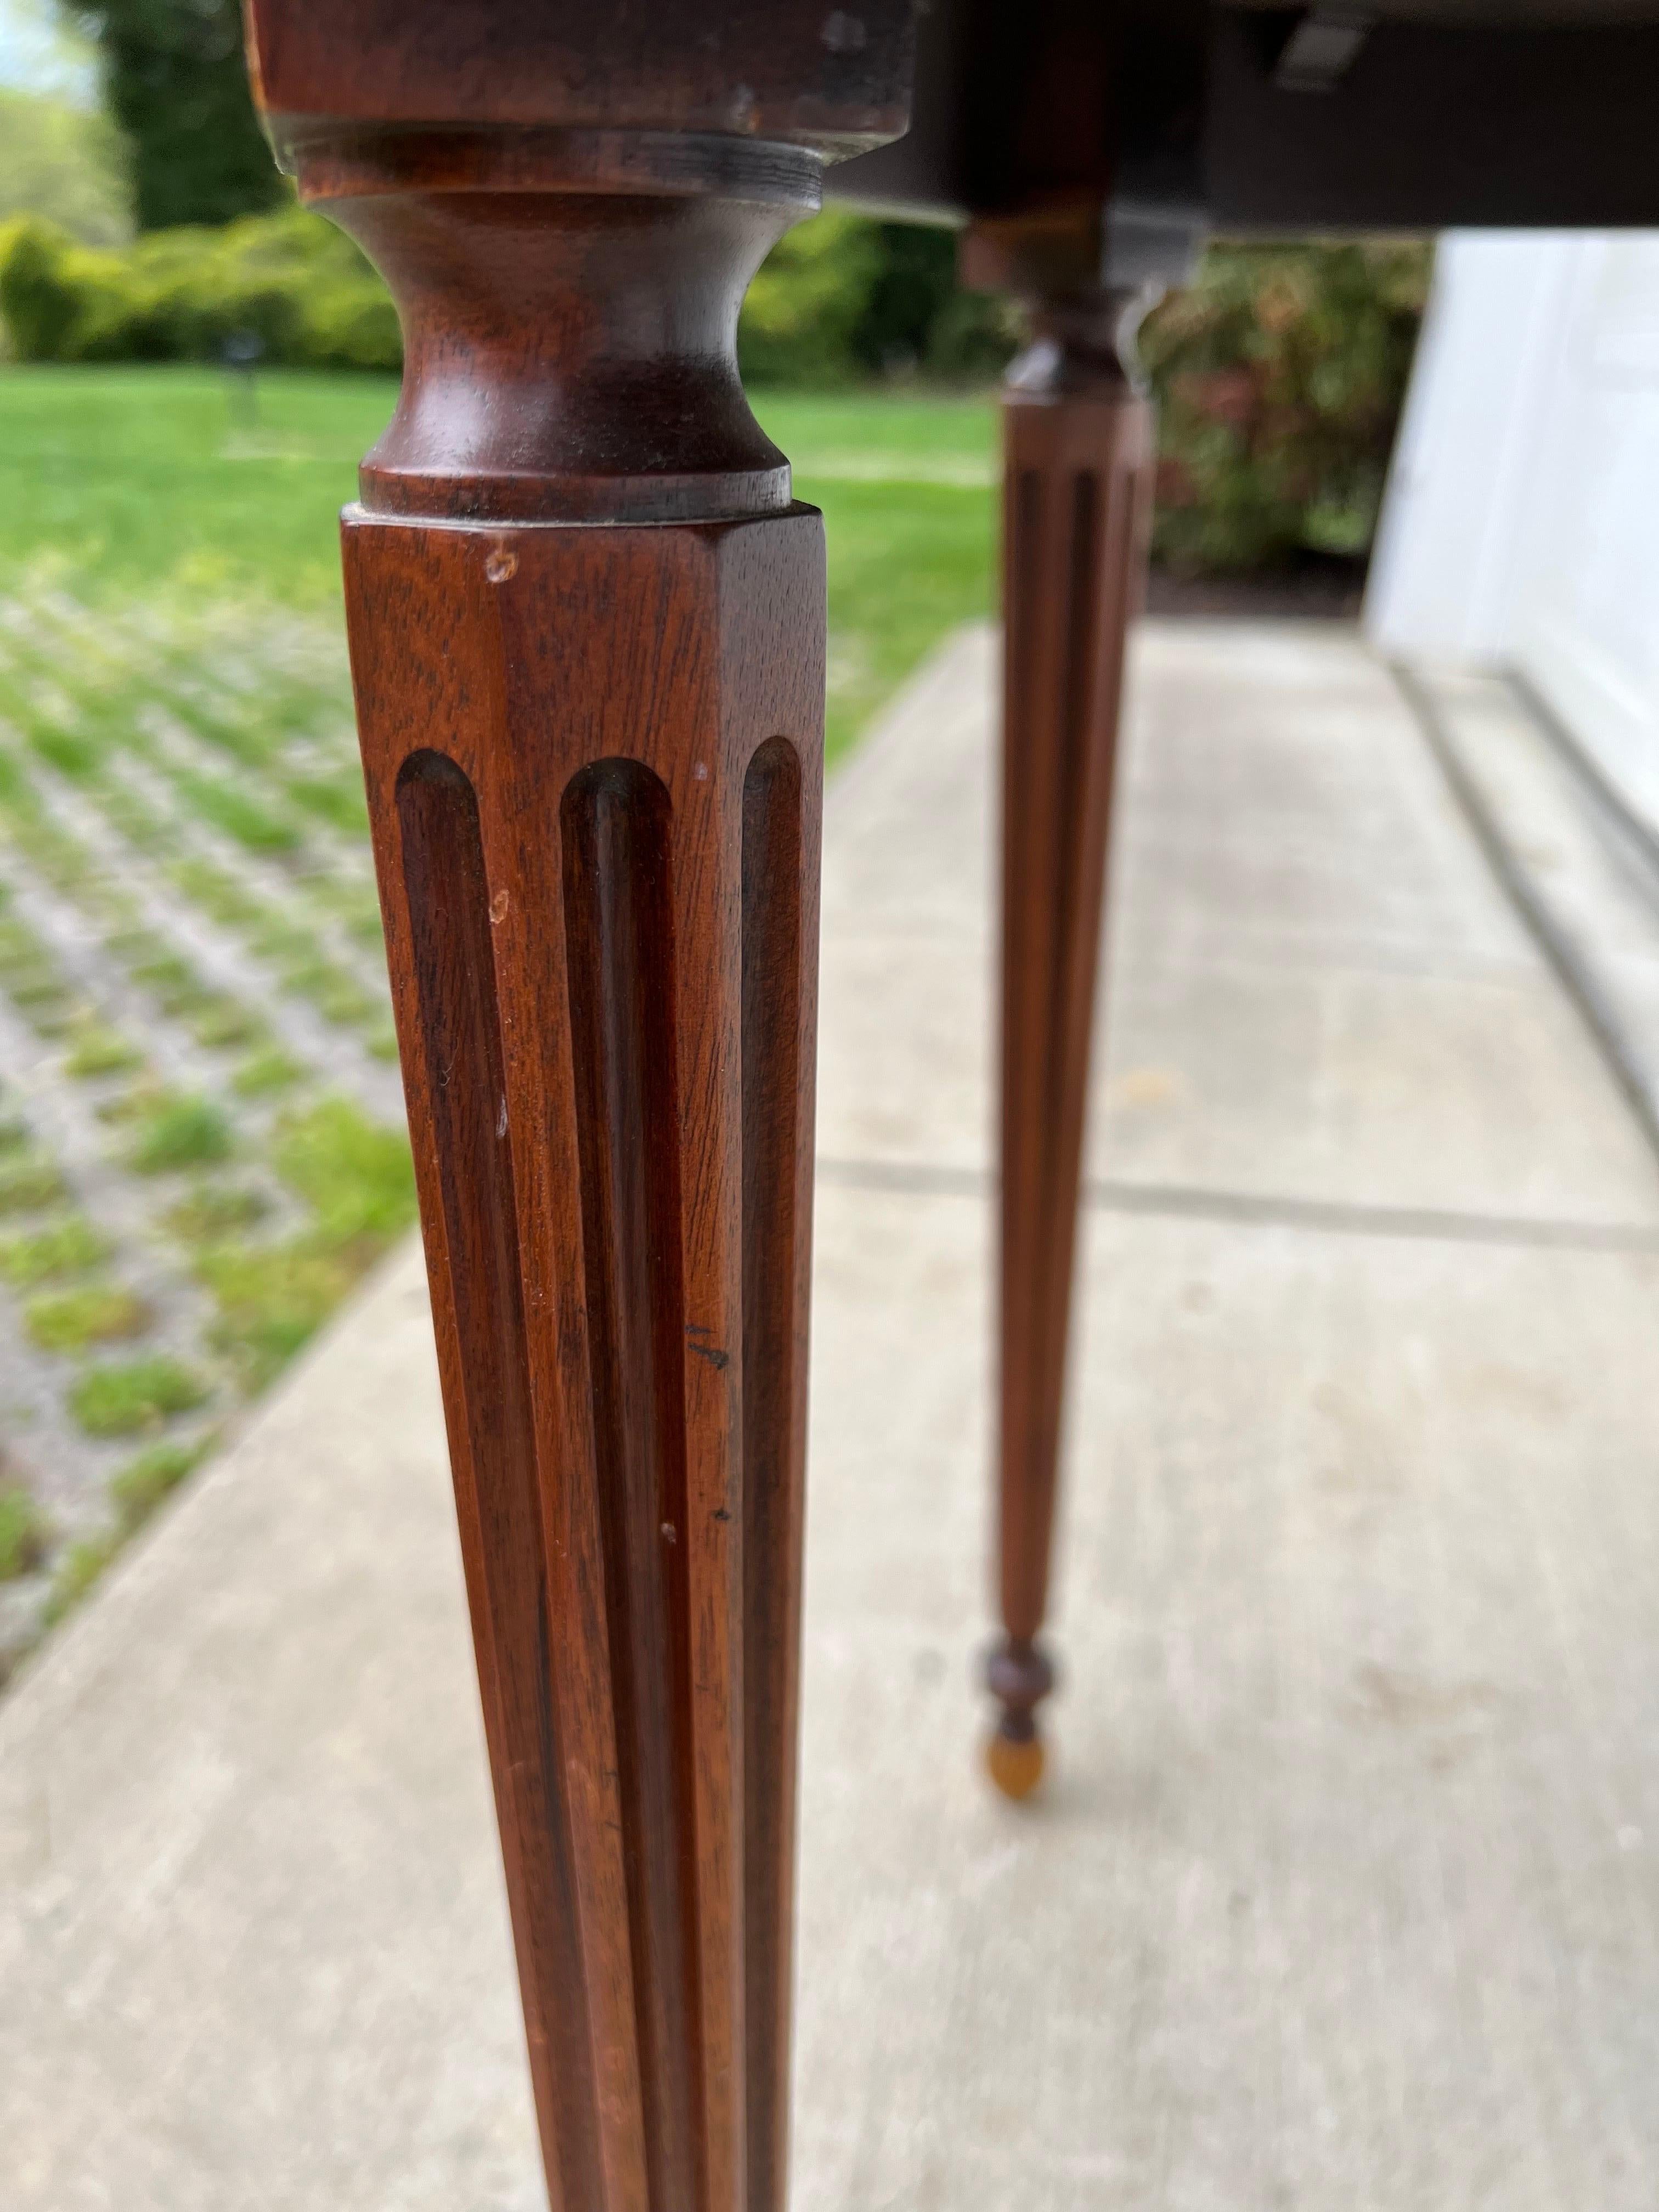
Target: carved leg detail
x=586 y=629
x=1079 y=462
x=597 y=863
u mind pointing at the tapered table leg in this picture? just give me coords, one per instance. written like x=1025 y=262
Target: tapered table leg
x=595 y=811
x=1079 y=455
x=586 y=628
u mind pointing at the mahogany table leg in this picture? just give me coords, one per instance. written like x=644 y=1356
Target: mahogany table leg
x=586 y=628
x=1078 y=455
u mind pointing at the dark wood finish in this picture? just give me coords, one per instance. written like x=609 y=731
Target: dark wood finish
x=596 y=830
x=1496 y=118
x=586 y=628
x=1087 y=142
x=1435 y=112
x=1058 y=114
x=1079 y=458
x=790 y=71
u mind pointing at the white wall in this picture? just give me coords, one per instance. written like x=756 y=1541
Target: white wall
x=1522 y=524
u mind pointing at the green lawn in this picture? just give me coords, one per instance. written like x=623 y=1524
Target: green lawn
x=132 y=481
x=201 y=1133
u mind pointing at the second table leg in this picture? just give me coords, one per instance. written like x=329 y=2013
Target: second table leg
x=1079 y=455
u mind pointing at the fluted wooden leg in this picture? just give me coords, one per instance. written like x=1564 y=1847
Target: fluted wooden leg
x=587 y=626
x=1079 y=457
x=596 y=813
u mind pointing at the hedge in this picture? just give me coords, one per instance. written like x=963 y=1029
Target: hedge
x=839 y=297
x=291 y=279
x=1280 y=377
x=63 y=162
x=1279 y=371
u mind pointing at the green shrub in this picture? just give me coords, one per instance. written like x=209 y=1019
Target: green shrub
x=40 y=288
x=842 y=297
x=1279 y=374
x=1279 y=371
x=290 y=279
x=839 y=297
x=800 y=320
x=65 y=163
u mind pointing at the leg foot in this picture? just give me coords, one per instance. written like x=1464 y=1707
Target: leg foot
x=1019 y=1676
x=1015 y=1764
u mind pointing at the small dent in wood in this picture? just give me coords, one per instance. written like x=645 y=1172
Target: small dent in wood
x=501 y=565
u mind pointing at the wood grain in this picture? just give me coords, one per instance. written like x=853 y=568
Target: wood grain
x=587 y=627
x=1079 y=452
x=598 y=865
x=778 y=70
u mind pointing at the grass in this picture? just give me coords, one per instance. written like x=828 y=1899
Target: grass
x=225 y=807
x=98 y=1050
x=127 y=479
x=128 y=1396
x=356 y=1178
x=125 y=473
x=23 y=1535
x=219 y=1022
x=215 y=1211
x=143 y=1482
x=27 y=1184
x=265 y=1072
x=94 y=1313
x=179 y=1133
x=273 y=1299
x=69 y=1246
x=149 y=659
x=338 y=800
x=77 y=1570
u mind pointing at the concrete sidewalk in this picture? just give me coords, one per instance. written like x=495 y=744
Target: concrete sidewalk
x=1346 y=1892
